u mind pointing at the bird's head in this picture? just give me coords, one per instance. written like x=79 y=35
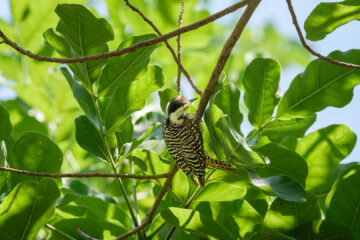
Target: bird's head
x=176 y=108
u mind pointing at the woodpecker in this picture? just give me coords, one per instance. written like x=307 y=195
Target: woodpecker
x=183 y=138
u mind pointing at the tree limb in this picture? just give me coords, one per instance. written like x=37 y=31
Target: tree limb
x=132 y=48
x=312 y=51
x=225 y=53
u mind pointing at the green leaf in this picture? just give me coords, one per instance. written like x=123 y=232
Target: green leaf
x=282 y=186
x=268 y=236
x=154 y=164
x=180 y=186
x=124 y=69
x=296 y=127
x=284 y=216
x=343 y=201
x=81 y=95
x=89 y=138
x=321 y=230
x=165 y=96
x=95 y=228
x=125 y=133
x=3 y=157
x=321 y=85
x=195 y=222
x=34 y=152
x=282 y=162
x=27 y=208
x=85 y=35
x=246 y=217
x=235 y=146
x=228 y=101
x=261 y=82
x=5 y=126
x=221 y=192
x=328 y=16
x=323 y=150
x=131 y=97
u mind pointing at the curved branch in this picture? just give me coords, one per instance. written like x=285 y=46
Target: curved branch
x=84 y=175
x=179 y=50
x=132 y=48
x=312 y=51
x=177 y=59
x=225 y=53
x=156 y=204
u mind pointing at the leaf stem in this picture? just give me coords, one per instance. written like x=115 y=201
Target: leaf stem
x=260 y=129
x=57 y=231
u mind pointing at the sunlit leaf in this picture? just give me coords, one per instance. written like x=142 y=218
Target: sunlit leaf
x=261 y=82
x=180 y=186
x=27 y=208
x=284 y=216
x=220 y=192
x=321 y=85
x=165 y=96
x=323 y=150
x=328 y=16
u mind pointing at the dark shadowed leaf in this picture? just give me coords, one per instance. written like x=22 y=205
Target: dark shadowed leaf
x=282 y=162
x=5 y=126
x=195 y=222
x=34 y=152
x=88 y=137
x=323 y=150
x=131 y=97
x=322 y=230
x=343 y=201
x=280 y=129
x=328 y=16
x=284 y=216
x=28 y=207
x=268 y=236
x=126 y=68
x=261 y=82
x=321 y=85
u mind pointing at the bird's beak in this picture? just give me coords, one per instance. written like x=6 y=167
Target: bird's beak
x=192 y=100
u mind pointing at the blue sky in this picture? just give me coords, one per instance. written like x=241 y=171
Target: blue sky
x=275 y=11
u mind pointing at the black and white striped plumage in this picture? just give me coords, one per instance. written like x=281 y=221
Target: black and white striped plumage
x=183 y=138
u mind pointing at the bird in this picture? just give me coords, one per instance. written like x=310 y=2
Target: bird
x=183 y=139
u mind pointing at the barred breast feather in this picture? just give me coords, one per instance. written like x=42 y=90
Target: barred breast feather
x=185 y=145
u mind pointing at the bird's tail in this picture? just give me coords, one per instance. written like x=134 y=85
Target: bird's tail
x=215 y=164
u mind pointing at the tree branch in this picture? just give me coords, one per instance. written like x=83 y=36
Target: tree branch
x=156 y=204
x=312 y=51
x=177 y=60
x=132 y=48
x=84 y=175
x=84 y=235
x=179 y=50
x=225 y=53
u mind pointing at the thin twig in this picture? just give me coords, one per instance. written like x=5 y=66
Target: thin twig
x=225 y=53
x=60 y=233
x=132 y=48
x=84 y=235
x=83 y=175
x=312 y=51
x=179 y=50
x=177 y=60
x=156 y=204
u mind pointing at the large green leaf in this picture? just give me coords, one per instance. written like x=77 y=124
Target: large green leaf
x=131 y=97
x=89 y=138
x=27 y=208
x=180 y=186
x=261 y=82
x=235 y=146
x=195 y=222
x=85 y=35
x=125 y=68
x=155 y=165
x=34 y=152
x=343 y=201
x=284 y=216
x=280 y=129
x=82 y=96
x=268 y=236
x=321 y=230
x=323 y=150
x=228 y=101
x=327 y=16
x=221 y=192
x=165 y=96
x=282 y=162
x=321 y=85
x=5 y=126
x=246 y=217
